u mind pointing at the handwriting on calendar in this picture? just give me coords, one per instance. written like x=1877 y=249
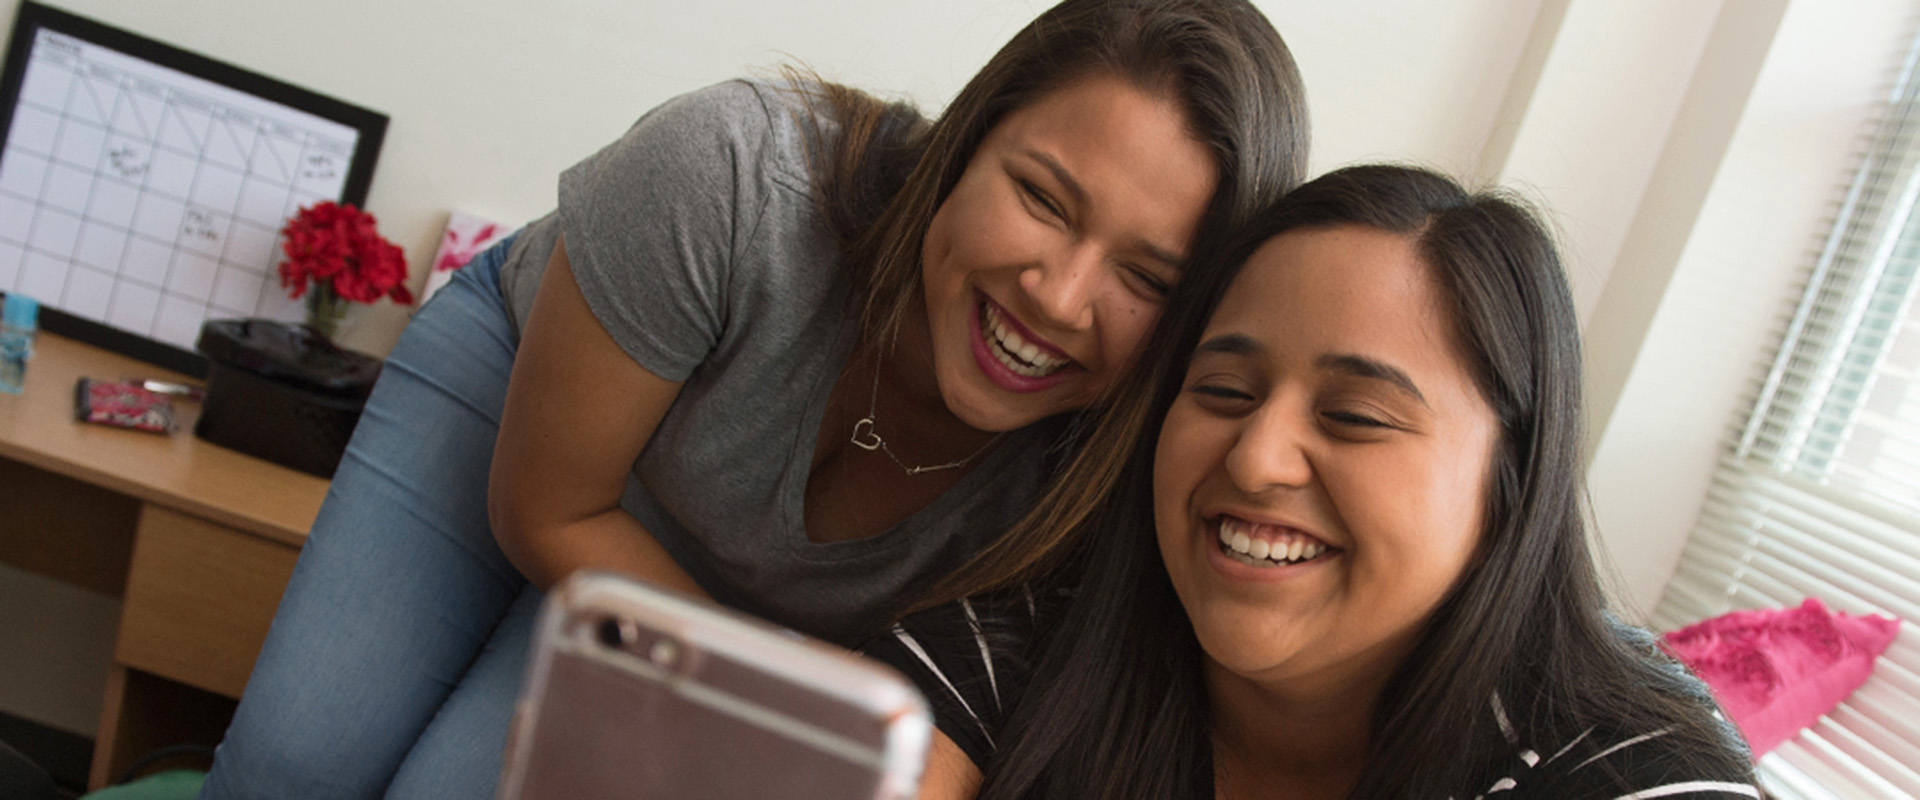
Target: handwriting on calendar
x=127 y=161
x=320 y=167
x=201 y=227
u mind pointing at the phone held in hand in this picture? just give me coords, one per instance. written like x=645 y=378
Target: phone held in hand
x=634 y=691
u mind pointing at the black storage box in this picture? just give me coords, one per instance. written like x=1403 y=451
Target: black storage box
x=281 y=392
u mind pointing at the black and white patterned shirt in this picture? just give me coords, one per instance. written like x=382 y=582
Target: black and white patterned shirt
x=971 y=685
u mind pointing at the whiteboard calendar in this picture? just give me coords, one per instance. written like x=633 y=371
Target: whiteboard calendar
x=143 y=188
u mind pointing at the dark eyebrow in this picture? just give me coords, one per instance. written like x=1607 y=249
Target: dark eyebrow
x=1079 y=193
x=1233 y=344
x=1156 y=253
x=1361 y=366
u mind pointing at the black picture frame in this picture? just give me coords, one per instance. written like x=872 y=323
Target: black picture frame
x=35 y=17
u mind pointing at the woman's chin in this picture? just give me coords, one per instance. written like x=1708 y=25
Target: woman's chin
x=985 y=407
x=1245 y=643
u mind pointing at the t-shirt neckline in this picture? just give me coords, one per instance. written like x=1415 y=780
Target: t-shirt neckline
x=800 y=464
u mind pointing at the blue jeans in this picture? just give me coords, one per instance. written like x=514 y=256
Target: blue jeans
x=396 y=654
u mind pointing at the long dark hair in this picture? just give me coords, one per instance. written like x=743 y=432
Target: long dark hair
x=1116 y=706
x=888 y=172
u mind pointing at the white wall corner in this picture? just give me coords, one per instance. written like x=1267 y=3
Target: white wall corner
x=1528 y=73
x=1584 y=135
x=1650 y=459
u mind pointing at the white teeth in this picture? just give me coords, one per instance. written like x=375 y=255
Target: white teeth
x=1013 y=351
x=1237 y=541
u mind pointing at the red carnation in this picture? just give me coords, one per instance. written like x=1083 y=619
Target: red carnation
x=336 y=251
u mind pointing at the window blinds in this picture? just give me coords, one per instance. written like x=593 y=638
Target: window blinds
x=1818 y=494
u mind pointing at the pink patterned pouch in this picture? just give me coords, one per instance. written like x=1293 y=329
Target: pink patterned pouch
x=122 y=404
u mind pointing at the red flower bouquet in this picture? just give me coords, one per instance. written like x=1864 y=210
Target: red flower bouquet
x=335 y=256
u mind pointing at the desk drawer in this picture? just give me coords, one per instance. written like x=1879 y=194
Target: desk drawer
x=199 y=599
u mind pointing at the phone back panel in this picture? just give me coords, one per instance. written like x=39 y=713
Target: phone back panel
x=696 y=702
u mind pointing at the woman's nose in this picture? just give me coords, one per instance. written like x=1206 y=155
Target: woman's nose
x=1271 y=451
x=1062 y=286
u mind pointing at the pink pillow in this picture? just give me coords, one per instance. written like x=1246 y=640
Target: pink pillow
x=1775 y=671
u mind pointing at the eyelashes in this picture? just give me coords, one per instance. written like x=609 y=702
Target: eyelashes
x=1221 y=392
x=1040 y=198
x=1229 y=400
x=1356 y=420
x=1152 y=283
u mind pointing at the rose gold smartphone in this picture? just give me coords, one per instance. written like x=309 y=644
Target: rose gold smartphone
x=637 y=692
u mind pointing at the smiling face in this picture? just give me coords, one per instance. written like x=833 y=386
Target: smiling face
x=1320 y=478
x=1049 y=261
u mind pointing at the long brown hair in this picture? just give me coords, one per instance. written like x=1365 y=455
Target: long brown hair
x=1221 y=60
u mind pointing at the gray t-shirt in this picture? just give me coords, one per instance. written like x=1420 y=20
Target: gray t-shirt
x=697 y=244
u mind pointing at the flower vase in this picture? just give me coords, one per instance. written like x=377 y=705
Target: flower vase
x=325 y=308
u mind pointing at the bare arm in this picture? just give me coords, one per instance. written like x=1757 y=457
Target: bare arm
x=950 y=774
x=578 y=412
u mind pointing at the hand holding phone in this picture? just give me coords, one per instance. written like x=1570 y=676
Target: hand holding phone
x=634 y=691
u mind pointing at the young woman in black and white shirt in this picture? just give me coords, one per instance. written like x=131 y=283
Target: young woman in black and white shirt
x=1347 y=557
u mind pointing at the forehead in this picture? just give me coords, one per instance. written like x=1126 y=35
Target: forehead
x=1082 y=102
x=1343 y=290
x=1099 y=118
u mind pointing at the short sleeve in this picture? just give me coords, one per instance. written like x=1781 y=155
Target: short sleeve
x=654 y=221
x=970 y=659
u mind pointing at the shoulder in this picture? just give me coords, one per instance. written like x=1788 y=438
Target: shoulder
x=705 y=194
x=1603 y=763
x=774 y=114
x=969 y=658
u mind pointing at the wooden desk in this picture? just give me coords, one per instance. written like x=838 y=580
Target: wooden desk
x=197 y=540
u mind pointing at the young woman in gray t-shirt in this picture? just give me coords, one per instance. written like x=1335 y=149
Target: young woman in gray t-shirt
x=782 y=345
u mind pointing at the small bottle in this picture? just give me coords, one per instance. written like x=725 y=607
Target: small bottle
x=18 y=319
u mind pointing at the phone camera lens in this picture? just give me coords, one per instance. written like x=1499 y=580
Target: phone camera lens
x=613 y=633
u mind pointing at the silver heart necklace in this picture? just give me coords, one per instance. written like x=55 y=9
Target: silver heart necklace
x=866 y=438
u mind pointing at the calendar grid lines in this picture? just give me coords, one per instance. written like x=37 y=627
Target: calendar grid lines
x=160 y=194
x=87 y=203
x=122 y=100
x=46 y=179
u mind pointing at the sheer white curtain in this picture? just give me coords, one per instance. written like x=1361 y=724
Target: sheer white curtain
x=1818 y=493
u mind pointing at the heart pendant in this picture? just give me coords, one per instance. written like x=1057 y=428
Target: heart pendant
x=864 y=436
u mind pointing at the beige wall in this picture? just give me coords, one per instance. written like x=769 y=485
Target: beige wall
x=1651 y=128
x=491 y=99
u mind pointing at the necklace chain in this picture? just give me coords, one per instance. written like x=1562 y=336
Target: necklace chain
x=867 y=438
